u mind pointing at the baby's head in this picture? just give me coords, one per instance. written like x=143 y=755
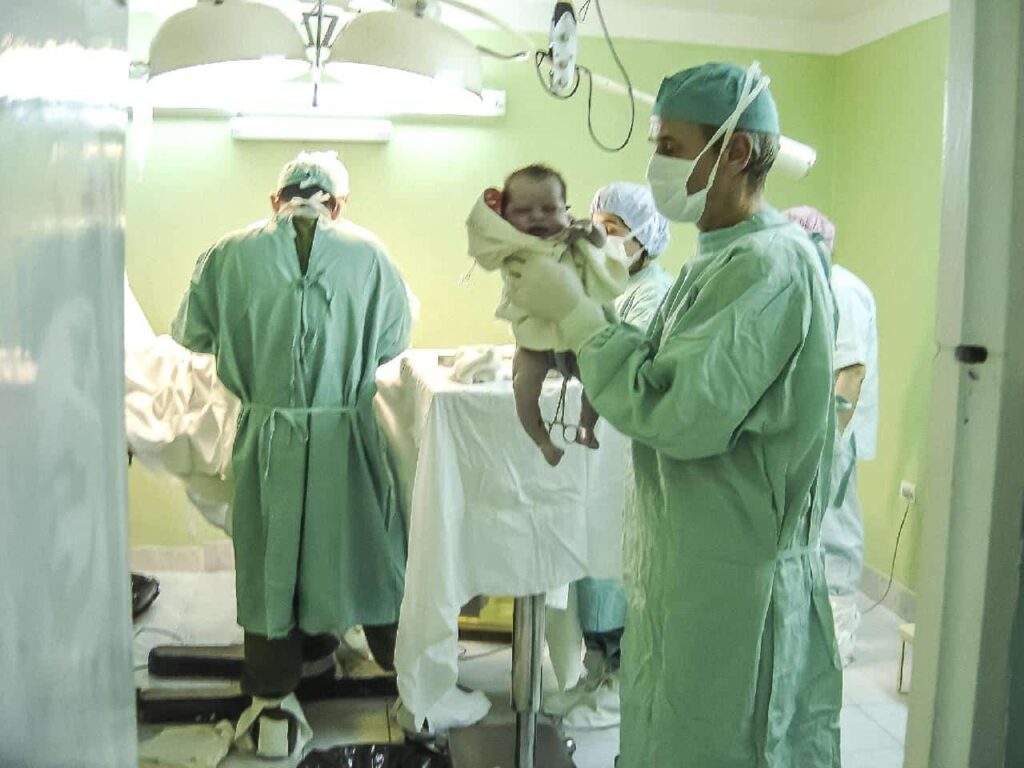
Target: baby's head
x=533 y=201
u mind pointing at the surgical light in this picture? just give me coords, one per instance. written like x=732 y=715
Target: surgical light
x=227 y=46
x=410 y=59
x=246 y=56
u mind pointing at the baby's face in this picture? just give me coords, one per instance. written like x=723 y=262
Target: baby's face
x=536 y=206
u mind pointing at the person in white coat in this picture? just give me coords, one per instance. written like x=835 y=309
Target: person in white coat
x=856 y=366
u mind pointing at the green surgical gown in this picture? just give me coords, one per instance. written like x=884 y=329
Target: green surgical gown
x=643 y=295
x=319 y=541
x=729 y=658
x=602 y=603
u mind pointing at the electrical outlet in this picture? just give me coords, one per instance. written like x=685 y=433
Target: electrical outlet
x=908 y=491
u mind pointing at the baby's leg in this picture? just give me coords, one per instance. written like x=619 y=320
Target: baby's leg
x=529 y=369
x=568 y=364
x=588 y=421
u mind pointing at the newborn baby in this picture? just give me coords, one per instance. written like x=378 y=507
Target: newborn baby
x=529 y=219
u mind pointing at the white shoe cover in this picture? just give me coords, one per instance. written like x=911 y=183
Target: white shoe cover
x=560 y=703
x=846 y=616
x=598 y=709
x=456 y=709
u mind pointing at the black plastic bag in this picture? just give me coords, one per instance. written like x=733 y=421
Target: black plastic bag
x=376 y=756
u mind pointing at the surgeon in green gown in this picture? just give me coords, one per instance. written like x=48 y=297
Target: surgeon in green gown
x=729 y=657
x=300 y=310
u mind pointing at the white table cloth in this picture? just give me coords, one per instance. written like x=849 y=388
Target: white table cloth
x=486 y=515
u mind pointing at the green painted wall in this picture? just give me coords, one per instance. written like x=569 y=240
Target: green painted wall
x=887 y=174
x=874 y=114
x=415 y=193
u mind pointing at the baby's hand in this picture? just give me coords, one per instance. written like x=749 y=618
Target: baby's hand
x=586 y=230
x=492 y=197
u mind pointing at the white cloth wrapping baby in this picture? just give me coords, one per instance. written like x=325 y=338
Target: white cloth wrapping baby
x=493 y=241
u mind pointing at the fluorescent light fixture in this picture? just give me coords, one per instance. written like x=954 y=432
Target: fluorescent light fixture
x=313 y=129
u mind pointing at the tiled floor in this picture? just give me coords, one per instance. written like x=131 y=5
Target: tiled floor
x=874 y=715
x=200 y=608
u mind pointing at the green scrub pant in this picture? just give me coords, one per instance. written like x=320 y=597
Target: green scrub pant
x=602 y=606
x=607 y=643
x=273 y=668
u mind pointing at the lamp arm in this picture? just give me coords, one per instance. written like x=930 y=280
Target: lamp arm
x=795 y=159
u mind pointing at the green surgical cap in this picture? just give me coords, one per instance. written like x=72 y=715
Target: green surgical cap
x=708 y=94
x=316 y=169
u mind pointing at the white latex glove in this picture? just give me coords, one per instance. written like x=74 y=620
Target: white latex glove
x=553 y=291
x=544 y=288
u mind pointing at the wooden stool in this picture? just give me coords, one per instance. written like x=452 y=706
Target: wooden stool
x=906 y=638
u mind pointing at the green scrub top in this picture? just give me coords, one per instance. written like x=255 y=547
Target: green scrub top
x=319 y=542
x=729 y=657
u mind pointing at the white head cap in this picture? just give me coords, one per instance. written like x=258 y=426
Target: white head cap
x=634 y=204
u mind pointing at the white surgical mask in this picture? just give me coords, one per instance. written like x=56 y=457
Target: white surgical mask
x=619 y=242
x=669 y=176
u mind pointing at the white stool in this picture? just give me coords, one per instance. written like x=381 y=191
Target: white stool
x=906 y=638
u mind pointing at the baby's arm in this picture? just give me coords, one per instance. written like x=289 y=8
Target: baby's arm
x=587 y=230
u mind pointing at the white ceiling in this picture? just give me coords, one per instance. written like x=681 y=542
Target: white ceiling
x=815 y=10
x=809 y=26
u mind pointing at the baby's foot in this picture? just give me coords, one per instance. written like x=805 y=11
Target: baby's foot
x=587 y=438
x=552 y=453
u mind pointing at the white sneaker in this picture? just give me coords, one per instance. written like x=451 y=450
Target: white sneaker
x=599 y=709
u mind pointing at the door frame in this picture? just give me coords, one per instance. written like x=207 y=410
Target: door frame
x=971 y=542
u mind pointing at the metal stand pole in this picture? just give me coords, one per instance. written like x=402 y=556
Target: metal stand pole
x=532 y=743
x=527 y=657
